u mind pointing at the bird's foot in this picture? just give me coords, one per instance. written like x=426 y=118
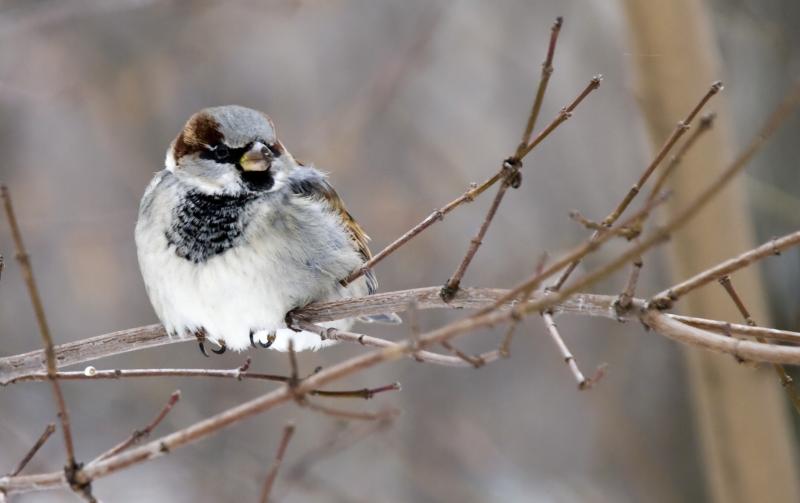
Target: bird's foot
x=200 y=335
x=270 y=339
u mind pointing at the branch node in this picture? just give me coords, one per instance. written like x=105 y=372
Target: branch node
x=449 y=291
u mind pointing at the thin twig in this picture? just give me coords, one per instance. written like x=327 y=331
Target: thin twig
x=544 y=79
x=90 y=374
x=367 y=340
x=472 y=192
x=505 y=346
x=33 y=450
x=659 y=235
x=706 y=123
x=786 y=380
x=413 y=326
x=44 y=330
x=511 y=167
x=724 y=327
x=138 y=435
x=667 y=297
x=349 y=414
x=626 y=297
x=454 y=282
x=566 y=354
x=272 y=473
x=349 y=434
x=612 y=217
x=576 y=254
x=475 y=361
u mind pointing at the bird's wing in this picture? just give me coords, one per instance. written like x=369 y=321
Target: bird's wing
x=318 y=187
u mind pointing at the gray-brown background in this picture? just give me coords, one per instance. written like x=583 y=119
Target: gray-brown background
x=404 y=103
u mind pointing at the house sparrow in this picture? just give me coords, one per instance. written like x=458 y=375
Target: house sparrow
x=235 y=233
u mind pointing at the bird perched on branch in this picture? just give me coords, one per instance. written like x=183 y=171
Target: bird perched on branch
x=235 y=233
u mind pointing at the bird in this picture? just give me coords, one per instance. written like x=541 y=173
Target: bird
x=234 y=234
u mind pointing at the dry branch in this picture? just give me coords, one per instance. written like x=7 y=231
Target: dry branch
x=473 y=192
x=272 y=473
x=49 y=430
x=612 y=217
x=138 y=435
x=510 y=167
x=774 y=247
x=71 y=466
x=786 y=380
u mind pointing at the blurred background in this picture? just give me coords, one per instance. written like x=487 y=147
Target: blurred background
x=405 y=104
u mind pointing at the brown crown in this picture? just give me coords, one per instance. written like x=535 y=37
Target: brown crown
x=200 y=130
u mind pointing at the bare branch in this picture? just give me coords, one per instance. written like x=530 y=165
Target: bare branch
x=367 y=340
x=44 y=330
x=452 y=285
x=786 y=380
x=666 y=298
x=272 y=473
x=33 y=450
x=472 y=192
x=612 y=217
x=138 y=435
x=475 y=361
x=544 y=79
x=705 y=125
x=723 y=327
x=670 y=327
x=510 y=167
x=566 y=354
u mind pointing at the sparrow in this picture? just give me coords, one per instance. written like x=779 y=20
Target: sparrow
x=234 y=233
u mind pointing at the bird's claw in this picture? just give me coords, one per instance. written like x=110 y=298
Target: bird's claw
x=200 y=335
x=270 y=340
x=222 y=349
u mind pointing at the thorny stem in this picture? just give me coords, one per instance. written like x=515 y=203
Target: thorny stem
x=472 y=192
x=33 y=450
x=786 y=380
x=612 y=217
x=272 y=473
x=44 y=330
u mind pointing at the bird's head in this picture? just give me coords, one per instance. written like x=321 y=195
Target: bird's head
x=230 y=149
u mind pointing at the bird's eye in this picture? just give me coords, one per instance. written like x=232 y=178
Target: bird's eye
x=274 y=149
x=221 y=152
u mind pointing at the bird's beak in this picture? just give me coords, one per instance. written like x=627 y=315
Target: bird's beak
x=258 y=158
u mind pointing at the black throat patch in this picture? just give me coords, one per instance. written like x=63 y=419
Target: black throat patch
x=207 y=225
